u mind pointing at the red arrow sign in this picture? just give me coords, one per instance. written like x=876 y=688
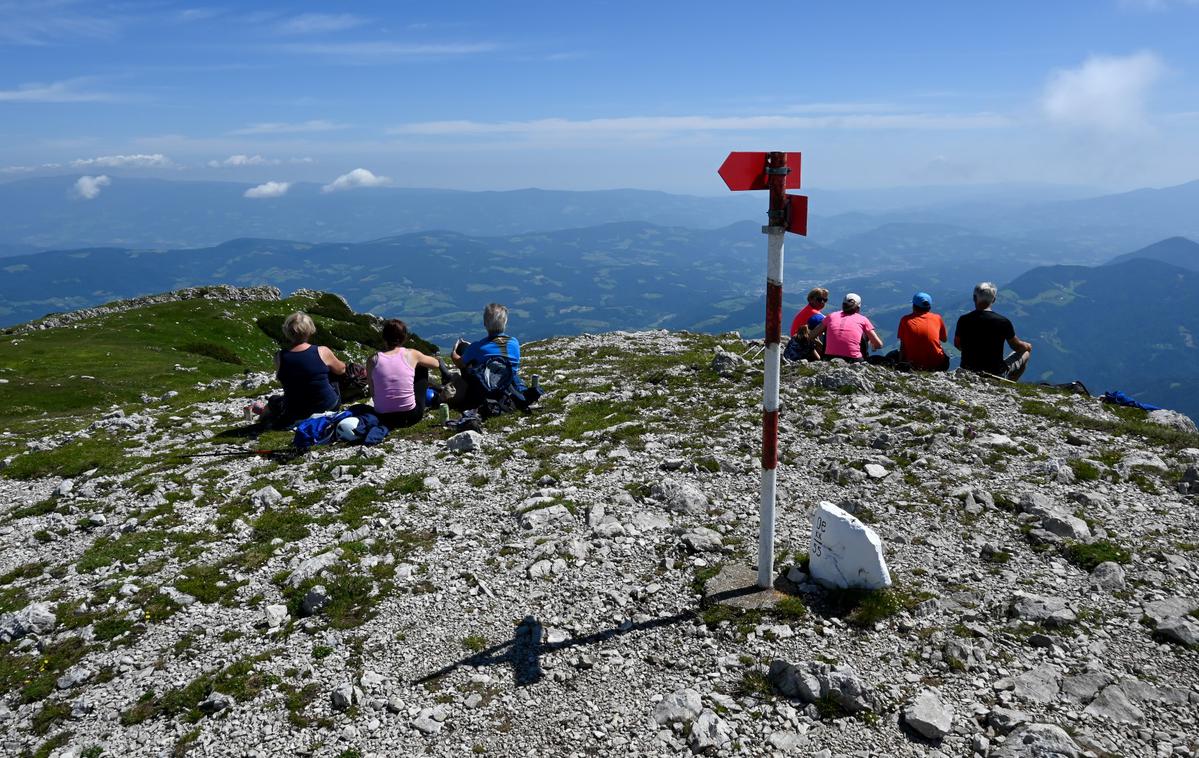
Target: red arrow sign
x=747 y=171
x=797 y=214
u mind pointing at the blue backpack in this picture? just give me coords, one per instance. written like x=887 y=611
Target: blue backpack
x=497 y=378
x=317 y=430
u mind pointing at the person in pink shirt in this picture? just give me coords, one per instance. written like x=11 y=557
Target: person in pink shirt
x=845 y=331
x=399 y=378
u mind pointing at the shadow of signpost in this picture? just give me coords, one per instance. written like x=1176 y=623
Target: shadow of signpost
x=525 y=650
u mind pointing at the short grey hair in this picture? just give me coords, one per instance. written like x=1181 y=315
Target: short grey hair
x=298 y=327
x=984 y=293
x=495 y=318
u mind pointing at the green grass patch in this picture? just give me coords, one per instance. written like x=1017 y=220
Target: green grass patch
x=241 y=680
x=1084 y=471
x=105 y=454
x=213 y=351
x=1089 y=555
x=1126 y=421
x=125 y=549
x=207 y=584
x=474 y=642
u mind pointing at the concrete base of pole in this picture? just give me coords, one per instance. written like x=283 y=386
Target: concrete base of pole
x=736 y=586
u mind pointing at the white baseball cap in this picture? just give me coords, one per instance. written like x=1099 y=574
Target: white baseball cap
x=852 y=299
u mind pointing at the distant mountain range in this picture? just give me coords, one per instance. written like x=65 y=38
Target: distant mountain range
x=1129 y=323
x=45 y=213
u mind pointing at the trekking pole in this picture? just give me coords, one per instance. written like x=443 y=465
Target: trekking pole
x=234 y=453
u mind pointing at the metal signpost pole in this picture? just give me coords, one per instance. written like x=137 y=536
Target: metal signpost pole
x=776 y=172
x=776 y=175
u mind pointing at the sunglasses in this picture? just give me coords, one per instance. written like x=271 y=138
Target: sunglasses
x=821 y=299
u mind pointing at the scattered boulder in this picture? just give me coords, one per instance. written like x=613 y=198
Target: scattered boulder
x=465 y=442
x=1047 y=611
x=1174 y=420
x=275 y=615
x=1038 y=741
x=1109 y=576
x=709 y=734
x=1178 y=630
x=702 y=540
x=266 y=497
x=540 y=519
x=928 y=716
x=1112 y=703
x=35 y=618
x=679 y=496
x=215 y=702
x=812 y=681
x=845 y=552
x=725 y=363
x=311 y=567
x=678 y=707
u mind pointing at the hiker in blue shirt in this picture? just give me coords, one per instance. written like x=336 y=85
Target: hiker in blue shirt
x=467 y=356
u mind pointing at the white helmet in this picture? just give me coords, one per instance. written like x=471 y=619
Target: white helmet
x=347 y=428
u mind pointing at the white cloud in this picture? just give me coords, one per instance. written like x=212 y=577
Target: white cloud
x=359 y=177
x=280 y=127
x=317 y=23
x=67 y=91
x=1104 y=93
x=643 y=125
x=237 y=161
x=88 y=187
x=23 y=23
x=156 y=160
x=268 y=189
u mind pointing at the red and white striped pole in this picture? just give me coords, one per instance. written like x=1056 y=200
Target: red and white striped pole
x=776 y=177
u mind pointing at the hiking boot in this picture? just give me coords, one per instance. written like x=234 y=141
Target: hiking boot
x=446 y=376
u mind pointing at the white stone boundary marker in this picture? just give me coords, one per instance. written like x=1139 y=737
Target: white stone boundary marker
x=845 y=552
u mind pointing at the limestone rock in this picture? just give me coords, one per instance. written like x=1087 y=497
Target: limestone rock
x=702 y=540
x=928 y=716
x=266 y=497
x=465 y=442
x=709 y=733
x=1174 y=420
x=1108 y=575
x=215 y=702
x=1038 y=741
x=679 y=496
x=540 y=519
x=275 y=615
x=1112 y=703
x=845 y=552
x=678 y=707
x=811 y=681
x=1049 y=611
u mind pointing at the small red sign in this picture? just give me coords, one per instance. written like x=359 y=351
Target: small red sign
x=747 y=171
x=797 y=214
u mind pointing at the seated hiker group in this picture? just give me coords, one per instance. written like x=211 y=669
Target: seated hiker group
x=980 y=335
x=316 y=383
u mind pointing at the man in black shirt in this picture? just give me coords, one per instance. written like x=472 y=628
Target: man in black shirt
x=980 y=335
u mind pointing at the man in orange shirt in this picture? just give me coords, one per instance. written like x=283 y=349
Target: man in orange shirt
x=921 y=333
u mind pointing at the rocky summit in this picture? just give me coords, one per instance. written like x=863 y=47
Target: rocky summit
x=174 y=582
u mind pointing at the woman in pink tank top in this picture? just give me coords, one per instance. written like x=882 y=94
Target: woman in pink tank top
x=399 y=378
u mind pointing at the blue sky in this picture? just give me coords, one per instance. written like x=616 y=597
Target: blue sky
x=603 y=94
